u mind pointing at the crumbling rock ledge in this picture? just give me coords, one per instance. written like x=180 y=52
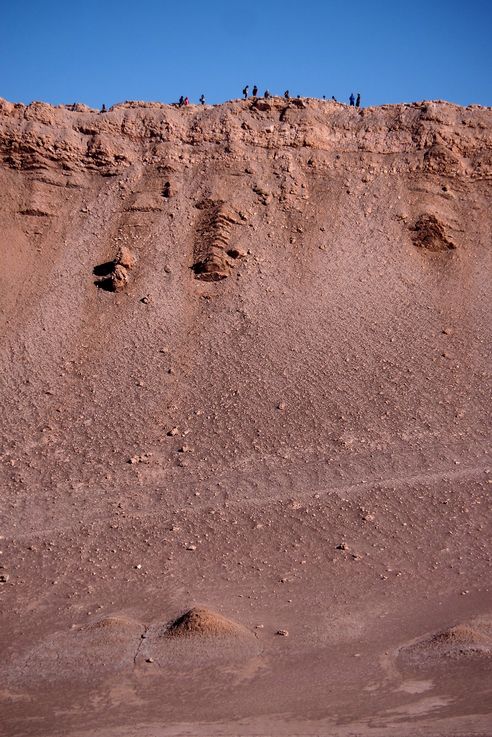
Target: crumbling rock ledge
x=435 y=136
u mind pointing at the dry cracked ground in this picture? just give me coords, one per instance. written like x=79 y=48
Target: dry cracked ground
x=245 y=411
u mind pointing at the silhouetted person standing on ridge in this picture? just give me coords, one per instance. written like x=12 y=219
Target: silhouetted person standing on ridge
x=186 y=101
x=255 y=91
x=287 y=95
x=245 y=92
x=357 y=102
x=103 y=109
x=202 y=100
x=333 y=98
x=352 y=99
x=181 y=101
x=266 y=94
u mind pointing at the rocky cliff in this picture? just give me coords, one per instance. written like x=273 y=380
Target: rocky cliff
x=244 y=346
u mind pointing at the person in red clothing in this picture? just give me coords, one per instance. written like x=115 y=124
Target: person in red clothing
x=186 y=101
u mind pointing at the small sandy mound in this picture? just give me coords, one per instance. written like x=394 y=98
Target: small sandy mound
x=109 y=631
x=201 y=622
x=112 y=623
x=463 y=641
x=460 y=636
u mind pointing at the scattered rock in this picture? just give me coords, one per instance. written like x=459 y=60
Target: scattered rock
x=143 y=458
x=264 y=196
x=282 y=633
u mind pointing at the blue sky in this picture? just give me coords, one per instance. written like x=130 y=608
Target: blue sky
x=113 y=50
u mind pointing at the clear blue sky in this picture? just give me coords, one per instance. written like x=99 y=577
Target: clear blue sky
x=96 y=51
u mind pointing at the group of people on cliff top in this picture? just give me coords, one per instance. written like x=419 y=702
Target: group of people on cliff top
x=352 y=100
x=185 y=101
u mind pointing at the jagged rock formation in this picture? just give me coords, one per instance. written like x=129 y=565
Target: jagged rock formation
x=429 y=234
x=213 y=253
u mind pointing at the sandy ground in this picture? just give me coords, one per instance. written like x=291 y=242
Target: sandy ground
x=280 y=415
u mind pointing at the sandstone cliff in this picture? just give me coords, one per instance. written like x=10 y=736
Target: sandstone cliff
x=245 y=356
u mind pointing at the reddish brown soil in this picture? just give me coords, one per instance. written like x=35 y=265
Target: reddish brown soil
x=277 y=407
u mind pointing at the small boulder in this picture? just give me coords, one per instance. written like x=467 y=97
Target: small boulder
x=125 y=257
x=118 y=278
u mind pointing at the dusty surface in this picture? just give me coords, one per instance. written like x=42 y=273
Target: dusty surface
x=244 y=366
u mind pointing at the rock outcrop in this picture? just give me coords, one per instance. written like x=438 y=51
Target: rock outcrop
x=114 y=275
x=213 y=254
x=429 y=233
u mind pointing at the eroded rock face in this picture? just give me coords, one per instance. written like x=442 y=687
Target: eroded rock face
x=213 y=258
x=429 y=233
x=443 y=160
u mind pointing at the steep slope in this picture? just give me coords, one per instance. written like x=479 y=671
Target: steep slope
x=281 y=409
